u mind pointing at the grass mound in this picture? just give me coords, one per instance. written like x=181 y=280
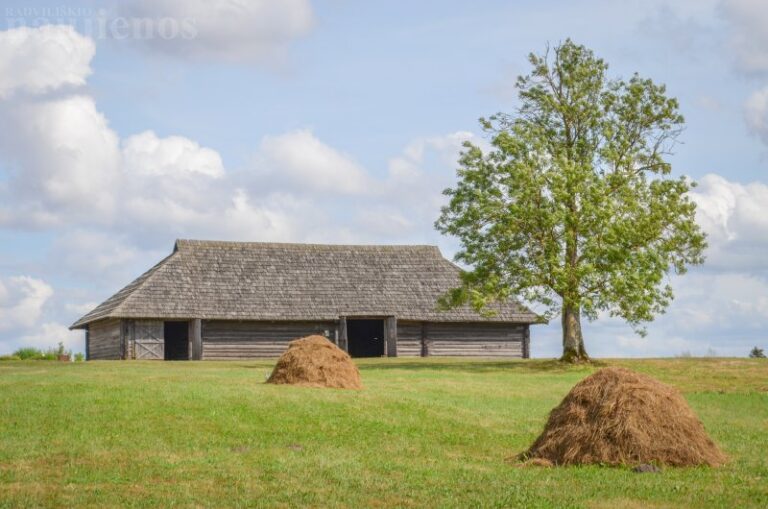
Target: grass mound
x=619 y=417
x=314 y=361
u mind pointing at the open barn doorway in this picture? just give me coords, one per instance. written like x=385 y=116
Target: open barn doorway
x=176 y=341
x=365 y=338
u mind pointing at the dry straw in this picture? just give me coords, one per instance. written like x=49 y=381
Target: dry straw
x=619 y=417
x=314 y=361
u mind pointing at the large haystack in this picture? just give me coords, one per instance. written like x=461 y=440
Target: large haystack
x=619 y=417
x=316 y=362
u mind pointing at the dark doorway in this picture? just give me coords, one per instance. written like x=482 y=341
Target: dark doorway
x=365 y=338
x=176 y=341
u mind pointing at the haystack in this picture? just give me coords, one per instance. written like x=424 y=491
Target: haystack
x=314 y=361
x=619 y=417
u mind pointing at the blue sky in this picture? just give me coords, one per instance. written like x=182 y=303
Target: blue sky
x=340 y=121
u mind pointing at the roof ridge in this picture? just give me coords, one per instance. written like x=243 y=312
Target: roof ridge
x=181 y=243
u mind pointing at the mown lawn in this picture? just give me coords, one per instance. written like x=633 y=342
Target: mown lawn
x=423 y=433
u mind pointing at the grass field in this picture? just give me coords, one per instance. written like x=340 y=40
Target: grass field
x=424 y=433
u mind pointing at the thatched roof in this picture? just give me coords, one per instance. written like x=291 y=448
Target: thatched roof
x=268 y=281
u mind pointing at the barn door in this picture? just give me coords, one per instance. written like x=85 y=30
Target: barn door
x=150 y=341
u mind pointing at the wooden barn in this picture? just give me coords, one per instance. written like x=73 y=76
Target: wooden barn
x=237 y=300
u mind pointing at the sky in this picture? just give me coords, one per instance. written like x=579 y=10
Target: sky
x=126 y=125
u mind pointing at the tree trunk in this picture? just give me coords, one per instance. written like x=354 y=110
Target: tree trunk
x=573 y=342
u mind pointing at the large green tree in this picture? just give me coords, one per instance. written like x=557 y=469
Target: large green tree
x=573 y=207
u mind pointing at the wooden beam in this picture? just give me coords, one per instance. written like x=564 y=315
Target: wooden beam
x=87 y=344
x=390 y=336
x=196 y=339
x=424 y=344
x=343 y=343
x=527 y=342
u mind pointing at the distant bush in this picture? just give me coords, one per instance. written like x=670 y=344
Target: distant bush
x=10 y=358
x=79 y=357
x=49 y=354
x=28 y=353
x=757 y=353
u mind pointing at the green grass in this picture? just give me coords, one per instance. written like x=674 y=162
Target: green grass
x=423 y=433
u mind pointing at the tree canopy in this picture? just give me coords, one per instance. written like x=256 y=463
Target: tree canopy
x=574 y=206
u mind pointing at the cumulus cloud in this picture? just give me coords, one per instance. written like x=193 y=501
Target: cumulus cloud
x=146 y=154
x=37 y=60
x=230 y=30
x=300 y=159
x=735 y=218
x=114 y=204
x=21 y=301
x=64 y=160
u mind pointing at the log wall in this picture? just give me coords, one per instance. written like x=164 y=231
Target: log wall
x=104 y=341
x=228 y=339
x=223 y=339
x=409 y=339
x=461 y=339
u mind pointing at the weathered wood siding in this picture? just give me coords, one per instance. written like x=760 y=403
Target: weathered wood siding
x=461 y=339
x=224 y=339
x=409 y=339
x=104 y=339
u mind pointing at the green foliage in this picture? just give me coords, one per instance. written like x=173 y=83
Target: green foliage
x=432 y=433
x=49 y=354
x=28 y=353
x=79 y=357
x=757 y=353
x=574 y=207
x=10 y=358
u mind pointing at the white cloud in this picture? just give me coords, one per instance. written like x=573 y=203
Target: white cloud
x=300 y=159
x=64 y=159
x=146 y=154
x=735 y=218
x=37 y=60
x=231 y=30
x=21 y=301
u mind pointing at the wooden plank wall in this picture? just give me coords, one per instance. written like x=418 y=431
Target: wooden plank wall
x=225 y=339
x=104 y=339
x=461 y=339
x=408 y=339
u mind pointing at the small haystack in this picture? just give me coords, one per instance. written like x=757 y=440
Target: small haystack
x=316 y=362
x=619 y=417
